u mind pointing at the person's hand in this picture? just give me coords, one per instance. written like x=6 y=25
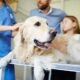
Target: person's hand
x=16 y=27
x=60 y=43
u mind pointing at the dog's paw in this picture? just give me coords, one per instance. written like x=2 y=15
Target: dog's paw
x=22 y=60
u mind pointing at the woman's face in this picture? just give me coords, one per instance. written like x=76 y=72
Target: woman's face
x=67 y=24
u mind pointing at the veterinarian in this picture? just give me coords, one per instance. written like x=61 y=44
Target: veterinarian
x=54 y=17
x=6 y=21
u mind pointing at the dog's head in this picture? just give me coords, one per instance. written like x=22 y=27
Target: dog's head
x=36 y=30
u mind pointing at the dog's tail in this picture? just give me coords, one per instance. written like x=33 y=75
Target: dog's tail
x=5 y=60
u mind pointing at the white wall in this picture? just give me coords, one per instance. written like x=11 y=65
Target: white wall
x=25 y=6
x=71 y=7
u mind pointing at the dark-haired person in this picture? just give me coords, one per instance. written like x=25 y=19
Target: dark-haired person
x=54 y=16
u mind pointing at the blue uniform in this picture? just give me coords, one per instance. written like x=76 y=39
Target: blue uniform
x=6 y=18
x=54 y=17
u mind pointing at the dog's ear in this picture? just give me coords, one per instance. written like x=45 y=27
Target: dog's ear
x=18 y=39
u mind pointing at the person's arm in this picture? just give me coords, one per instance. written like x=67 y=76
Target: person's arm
x=60 y=43
x=11 y=28
x=5 y=28
x=14 y=32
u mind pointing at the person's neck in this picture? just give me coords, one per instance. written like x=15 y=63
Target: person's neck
x=46 y=10
x=70 y=32
x=1 y=3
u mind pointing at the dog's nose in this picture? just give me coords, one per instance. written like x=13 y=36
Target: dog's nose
x=53 y=34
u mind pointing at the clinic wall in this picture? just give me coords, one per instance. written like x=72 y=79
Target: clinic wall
x=71 y=7
x=25 y=6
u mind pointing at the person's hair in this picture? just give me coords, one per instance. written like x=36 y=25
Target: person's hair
x=74 y=19
x=3 y=1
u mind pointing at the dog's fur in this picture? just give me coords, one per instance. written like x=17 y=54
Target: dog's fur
x=64 y=49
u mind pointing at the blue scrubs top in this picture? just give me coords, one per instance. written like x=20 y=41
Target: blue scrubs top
x=54 y=17
x=6 y=18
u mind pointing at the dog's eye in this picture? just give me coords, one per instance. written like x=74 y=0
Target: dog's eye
x=37 y=24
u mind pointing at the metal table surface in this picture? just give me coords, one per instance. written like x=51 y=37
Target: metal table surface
x=57 y=66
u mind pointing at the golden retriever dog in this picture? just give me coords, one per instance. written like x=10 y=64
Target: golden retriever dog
x=37 y=44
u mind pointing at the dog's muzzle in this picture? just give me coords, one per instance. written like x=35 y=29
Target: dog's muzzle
x=47 y=44
x=42 y=44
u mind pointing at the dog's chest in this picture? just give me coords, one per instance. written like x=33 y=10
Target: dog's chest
x=21 y=51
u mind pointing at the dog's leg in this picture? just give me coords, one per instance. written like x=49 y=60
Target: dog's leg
x=38 y=70
x=5 y=60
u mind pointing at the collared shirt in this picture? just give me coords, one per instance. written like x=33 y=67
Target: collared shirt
x=54 y=17
x=6 y=18
x=48 y=11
